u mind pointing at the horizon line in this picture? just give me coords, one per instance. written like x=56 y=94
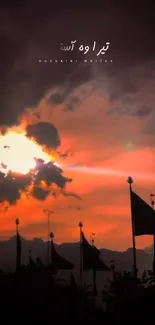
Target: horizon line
x=75 y=242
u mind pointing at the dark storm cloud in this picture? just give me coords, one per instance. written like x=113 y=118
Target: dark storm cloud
x=45 y=134
x=73 y=103
x=14 y=184
x=131 y=92
x=58 y=99
x=59 y=95
x=39 y=193
x=65 y=95
x=24 y=82
x=143 y=111
x=29 y=33
x=121 y=86
x=50 y=173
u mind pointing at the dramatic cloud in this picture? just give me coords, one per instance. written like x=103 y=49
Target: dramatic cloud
x=66 y=94
x=132 y=92
x=145 y=111
x=25 y=81
x=58 y=96
x=50 y=173
x=105 y=112
x=44 y=133
x=13 y=184
x=39 y=193
x=121 y=85
x=72 y=101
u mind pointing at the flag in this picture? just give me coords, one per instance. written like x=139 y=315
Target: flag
x=91 y=257
x=143 y=216
x=59 y=262
x=18 y=252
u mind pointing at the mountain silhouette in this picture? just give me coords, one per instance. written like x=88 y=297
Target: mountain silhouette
x=149 y=249
x=71 y=251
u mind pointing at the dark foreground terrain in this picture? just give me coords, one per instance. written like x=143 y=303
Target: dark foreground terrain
x=34 y=296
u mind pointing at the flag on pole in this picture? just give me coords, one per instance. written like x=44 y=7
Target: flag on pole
x=91 y=257
x=59 y=262
x=143 y=216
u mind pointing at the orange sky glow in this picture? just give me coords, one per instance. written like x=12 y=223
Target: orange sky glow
x=105 y=150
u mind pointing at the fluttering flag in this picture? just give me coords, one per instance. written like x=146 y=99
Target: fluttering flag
x=91 y=257
x=143 y=216
x=59 y=262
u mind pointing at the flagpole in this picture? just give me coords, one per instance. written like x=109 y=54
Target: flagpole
x=52 y=237
x=48 y=235
x=152 y=205
x=17 y=223
x=94 y=270
x=130 y=181
x=81 y=255
x=29 y=256
x=113 y=268
x=17 y=252
x=48 y=212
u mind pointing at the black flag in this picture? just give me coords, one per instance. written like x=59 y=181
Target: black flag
x=143 y=216
x=59 y=262
x=91 y=257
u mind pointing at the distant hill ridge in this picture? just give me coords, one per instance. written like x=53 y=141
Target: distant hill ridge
x=38 y=246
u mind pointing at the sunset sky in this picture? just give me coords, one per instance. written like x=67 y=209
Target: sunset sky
x=102 y=116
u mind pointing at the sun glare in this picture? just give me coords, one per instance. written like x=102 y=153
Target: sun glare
x=17 y=153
